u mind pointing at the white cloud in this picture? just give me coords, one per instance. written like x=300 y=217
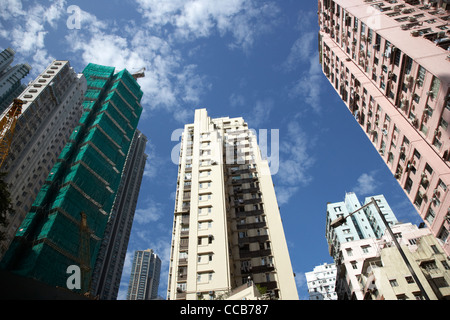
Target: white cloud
x=366 y=184
x=302 y=287
x=260 y=113
x=303 y=55
x=295 y=162
x=150 y=212
x=284 y=194
x=244 y=19
x=295 y=159
x=14 y=9
x=237 y=100
x=300 y=51
x=167 y=84
x=27 y=37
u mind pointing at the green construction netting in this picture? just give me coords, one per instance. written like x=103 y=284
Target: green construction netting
x=97 y=163
x=112 y=129
x=92 y=94
x=106 y=146
x=124 y=95
x=95 y=71
x=124 y=109
x=96 y=83
x=130 y=82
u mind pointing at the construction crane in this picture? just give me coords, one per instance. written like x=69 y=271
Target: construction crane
x=84 y=256
x=7 y=127
x=139 y=74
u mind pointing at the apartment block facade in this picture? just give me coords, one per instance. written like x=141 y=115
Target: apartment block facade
x=373 y=269
x=51 y=110
x=389 y=62
x=111 y=257
x=364 y=224
x=10 y=78
x=321 y=282
x=145 y=274
x=227 y=229
x=67 y=220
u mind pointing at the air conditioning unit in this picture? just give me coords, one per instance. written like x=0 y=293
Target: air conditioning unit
x=436 y=193
x=437 y=133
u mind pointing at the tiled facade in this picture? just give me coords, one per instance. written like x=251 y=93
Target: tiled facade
x=389 y=62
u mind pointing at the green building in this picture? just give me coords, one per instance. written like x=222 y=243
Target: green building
x=83 y=182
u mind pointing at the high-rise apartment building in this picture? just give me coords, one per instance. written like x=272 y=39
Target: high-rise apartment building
x=364 y=224
x=109 y=265
x=389 y=62
x=66 y=223
x=51 y=110
x=227 y=228
x=321 y=282
x=144 y=279
x=10 y=77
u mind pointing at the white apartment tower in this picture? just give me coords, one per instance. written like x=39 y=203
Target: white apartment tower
x=321 y=282
x=227 y=228
x=51 y=110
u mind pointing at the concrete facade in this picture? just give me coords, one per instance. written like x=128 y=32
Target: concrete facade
x=227 y=228
x=51 y=110
x=10 y=78
x=364 y=224
x=111 y=257
x=321 y=282
x=374 y=269
x=145 y=273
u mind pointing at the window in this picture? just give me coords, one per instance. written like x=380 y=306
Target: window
x=421 y=76
x=429 y=265
x=393 y=283
x=443 y=234
x=430 y=215
x=409 y=279
x=354 y=265
x=398 y=54
x=435 y=84
x=418 y=296
x=365 y=249
x=434 y=248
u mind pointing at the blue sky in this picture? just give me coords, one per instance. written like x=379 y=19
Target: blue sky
x=256 y=59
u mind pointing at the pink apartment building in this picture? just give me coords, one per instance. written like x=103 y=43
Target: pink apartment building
x=390 y=63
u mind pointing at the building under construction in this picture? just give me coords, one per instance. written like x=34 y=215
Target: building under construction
x=68 y=218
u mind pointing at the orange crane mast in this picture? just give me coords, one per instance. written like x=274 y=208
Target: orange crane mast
x=7 y=127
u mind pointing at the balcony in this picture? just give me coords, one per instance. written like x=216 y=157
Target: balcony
x=182 y=262
x=255 y=225
x=271 y=285
x=261 y=239
x=254 y=254
x=181 y=295
x=242 y=214
x=262 y=269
